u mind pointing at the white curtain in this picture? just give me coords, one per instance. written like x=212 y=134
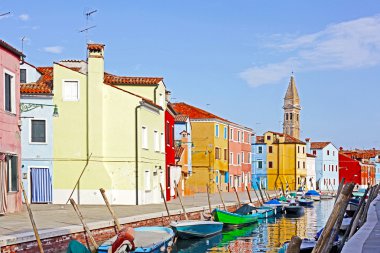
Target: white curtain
x=3 y=185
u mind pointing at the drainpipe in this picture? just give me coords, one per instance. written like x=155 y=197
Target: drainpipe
x=137 y=152
x=154 y=94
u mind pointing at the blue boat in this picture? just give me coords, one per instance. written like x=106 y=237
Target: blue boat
x=186 y=229
x=146 y=239
x=305 y=202
x=314 y=195
x=274 y=203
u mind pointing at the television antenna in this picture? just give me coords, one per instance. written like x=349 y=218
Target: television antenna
x=85 y=30
x=22 y=44
x=4 y=14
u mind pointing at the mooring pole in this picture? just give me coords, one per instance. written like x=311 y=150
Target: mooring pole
x=249 y=194
x=166 y=205
x=115 y=220
x=237 y=195
x=208 y=198
x=180 y=199
x=261 y=194
x=221 y=198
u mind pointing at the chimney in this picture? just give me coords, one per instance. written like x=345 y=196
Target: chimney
x=168 y=95
x=308 y=149
x=253 y=138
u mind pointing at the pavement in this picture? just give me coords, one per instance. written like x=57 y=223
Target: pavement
x=367 y=239
x=55 y=220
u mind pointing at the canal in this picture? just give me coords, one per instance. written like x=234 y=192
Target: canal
x=266 y=236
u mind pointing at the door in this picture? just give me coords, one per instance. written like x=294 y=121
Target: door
x=41 y=185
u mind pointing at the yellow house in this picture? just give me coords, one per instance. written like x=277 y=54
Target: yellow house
x=286 y=161
x=210 y=149
x=108 y=134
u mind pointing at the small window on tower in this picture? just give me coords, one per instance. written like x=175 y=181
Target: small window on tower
x=298 y=117
x=286 y=116
x=291 y=116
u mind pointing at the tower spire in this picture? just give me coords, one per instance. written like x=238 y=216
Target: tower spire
x=292 y=110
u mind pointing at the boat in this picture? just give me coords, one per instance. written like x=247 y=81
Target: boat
x=274 y=203
x=145 y=239
x=186 y=229
x=352 y=206
x=313 y=194
x=308 y=245
x=195 y=245
x=234 y=219
x=326 y=196
x=305 y=202
x=345 y=223
x=263 y=211
x=294 y=209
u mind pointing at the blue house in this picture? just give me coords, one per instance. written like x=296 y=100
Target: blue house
x=37 y=111
x=259 y=162
x=376 y=161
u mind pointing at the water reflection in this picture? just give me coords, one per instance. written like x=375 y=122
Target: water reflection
x=265 y=236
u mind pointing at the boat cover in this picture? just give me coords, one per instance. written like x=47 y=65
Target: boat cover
x=273 y=202
x=77 y=247
x=312 y=193
x=245 y=209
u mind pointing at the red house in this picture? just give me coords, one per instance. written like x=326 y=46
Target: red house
x=361 y=172
x=171 y=168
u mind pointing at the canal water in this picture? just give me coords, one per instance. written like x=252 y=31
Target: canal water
x=266 y=236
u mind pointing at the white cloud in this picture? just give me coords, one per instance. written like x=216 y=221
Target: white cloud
x=347 y=45
x=53 y=49
x=24 y=17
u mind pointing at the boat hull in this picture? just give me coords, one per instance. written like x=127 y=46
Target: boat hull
x=193 y=229
x=294 y=210
x=232 y=219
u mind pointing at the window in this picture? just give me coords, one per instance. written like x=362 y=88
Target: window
x=231 y=158
x=225 y=154
x=12 y=173
x=217 y=153
x=333 y=153
x=270 y=165
x=242 y=137
x=238 y=159
x=286 y=116
x=328 y=152
x=298 y=117
x=231 y=134
x=22 y=75
x=314 y=152
x=304 y=165
x=324 y=167
x=216 y=130
x=38 y=131
x=260 y=150
x=298 y=149
x=303 y=150
x=144 y=137
x=242 y=157
x=161 y=100
x=238 y=137
x=225 y=133
x=249 y=157
x=156 y=141
x=268 y=137
x=270 y=149
x=70 y=90
x=260 y=164
x=162 y=142
x=291 y=116
x=147 y=181
x=232 y=181
x=167 y=133
x=9 y=93
x=298 y=164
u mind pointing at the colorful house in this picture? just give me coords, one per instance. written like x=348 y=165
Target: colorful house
x=376 y=161
x=210 y=149
x=286 y=161
x=259 y=162
x=311 y=178
x=239 y=148
x=326 y=165
x=110 y=133
x=361 y=172
x=37 y=110
x=10 y=136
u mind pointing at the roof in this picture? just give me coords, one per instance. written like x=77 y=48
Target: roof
x=194 y=112
x=292 y=93
x=170 y=109
x=11 y=49
x=95 y=47
x=128 y=80
x=181 y=118
x=288 y=139
x=319 y=145
x=44 y=84
x=360 y=153
x=260 y=139
x=178 y=151
x=310 y=155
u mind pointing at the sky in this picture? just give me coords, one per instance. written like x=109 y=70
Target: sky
x=232 y=58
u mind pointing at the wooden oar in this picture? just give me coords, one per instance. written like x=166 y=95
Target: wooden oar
x=237 y=195
x=88 y=232
x=249 y=194
x=32 y=219
x=166 y=205
x=257 y=196
x=208 y=198
x=283 y=190
x=115 y=220
x=180 y=200
x=221 y=198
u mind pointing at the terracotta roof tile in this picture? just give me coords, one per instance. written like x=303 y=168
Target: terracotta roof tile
x=260 y=139
x=127 y=80
x=178 y=151
x=181 y=118
x=44 y=84
x=288 y=138
x=319 y=145
x=195 y=112
x=95 y=47
x=310 y=155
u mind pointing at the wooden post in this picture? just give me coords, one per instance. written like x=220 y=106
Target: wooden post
x=180 y=199
x=261 y=194
x=374 y=195
x=343 y=198
x=283 y=190
x=266 y=194
x=357 y=218
x=221 y=198
x=72 y=201
x=32 y=219
x=115 y=220
x=339 y=189
x=294 y=245
x=166 y=205
x=237 y=196
x=249 y=195
x=257 y=196
x=208 y=198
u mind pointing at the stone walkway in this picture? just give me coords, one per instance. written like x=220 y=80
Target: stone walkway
x=367 y=239
x=53 y=220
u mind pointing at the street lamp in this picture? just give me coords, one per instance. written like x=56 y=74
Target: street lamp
x=26 y=107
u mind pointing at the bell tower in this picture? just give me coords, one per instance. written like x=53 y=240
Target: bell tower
x=292 y=109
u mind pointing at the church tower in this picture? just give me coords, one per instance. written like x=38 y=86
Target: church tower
x=292 y=110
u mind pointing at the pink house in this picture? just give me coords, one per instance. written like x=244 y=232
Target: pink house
x=10 y=143
x=239 y=167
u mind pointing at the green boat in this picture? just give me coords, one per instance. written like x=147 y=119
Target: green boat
x=234 y=219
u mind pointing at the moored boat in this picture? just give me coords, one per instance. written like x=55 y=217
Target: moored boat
x=314 y=195
x=234 y=219
x=263 y=211
x=196 y=228
x=326 y=196
x=352 y=206
x=308 y=245
x=274 y=204
x=294 y=209
x=305 y=202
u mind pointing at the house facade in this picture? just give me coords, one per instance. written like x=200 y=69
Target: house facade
x=210 y=149
x=311 y=178
x=259 y=162
x=286 y=161
x=239 y=148
x=37 y=110
x=10 y=135
x=362 y=173
x=376 y=161
x=106 y=134
x=326 y=165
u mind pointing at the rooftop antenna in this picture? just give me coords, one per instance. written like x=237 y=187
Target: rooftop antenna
x=4 y=14
x=88 y=14
x=22 y=44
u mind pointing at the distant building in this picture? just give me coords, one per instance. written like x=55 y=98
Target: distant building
x=310 y=167
x=259 y=162
x=326 y=165
x=376 y=161
x=359 y=171
x=292 y=109
x=37 y=110
x=10 y=145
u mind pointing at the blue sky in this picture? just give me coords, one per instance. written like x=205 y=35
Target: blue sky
x=233 y=58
